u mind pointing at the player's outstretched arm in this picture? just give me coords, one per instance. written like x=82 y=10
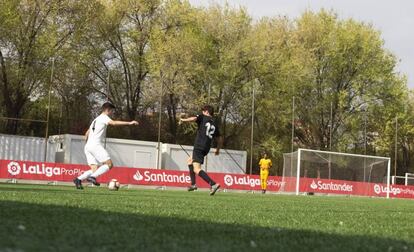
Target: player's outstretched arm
x=122 y=123
x=190 y=119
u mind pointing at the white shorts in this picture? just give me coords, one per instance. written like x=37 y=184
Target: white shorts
x=96 y=154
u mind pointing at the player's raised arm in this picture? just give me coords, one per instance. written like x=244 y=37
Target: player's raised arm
x=122 y=123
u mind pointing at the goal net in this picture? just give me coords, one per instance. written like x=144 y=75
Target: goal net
x=305 y=170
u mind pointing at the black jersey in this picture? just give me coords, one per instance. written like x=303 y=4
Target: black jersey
x=207 y=130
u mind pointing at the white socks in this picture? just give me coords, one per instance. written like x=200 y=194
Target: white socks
x=85 y=175
x=101 y=170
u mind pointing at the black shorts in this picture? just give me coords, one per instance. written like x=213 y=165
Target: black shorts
x=198 y=155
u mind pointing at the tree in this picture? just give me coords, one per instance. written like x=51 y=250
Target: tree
x=33 y=32
x=118 y=49
x=350 y=69
x=125 y=51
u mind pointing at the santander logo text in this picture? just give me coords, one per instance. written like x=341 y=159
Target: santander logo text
x=331 y=186
x=17 y=168
x=163 y=177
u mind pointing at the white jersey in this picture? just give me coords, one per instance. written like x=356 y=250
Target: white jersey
x=97 y=130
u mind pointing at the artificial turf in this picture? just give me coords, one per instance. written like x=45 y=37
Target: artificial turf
x=56 y=218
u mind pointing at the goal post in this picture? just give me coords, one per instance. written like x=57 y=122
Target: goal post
x=298 y=172
x=407 y=176
x=307 y=170
x=407 y=179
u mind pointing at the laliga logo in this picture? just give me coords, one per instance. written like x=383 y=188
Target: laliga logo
x=137 y=176
x=43 y=169
x=228 y=180
x=14 y=168
x=314 y=186
x=377 y=189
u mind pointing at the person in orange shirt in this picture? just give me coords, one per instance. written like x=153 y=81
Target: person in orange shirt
x=265 y=164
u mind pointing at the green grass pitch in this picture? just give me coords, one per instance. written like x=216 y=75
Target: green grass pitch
x=55 y=218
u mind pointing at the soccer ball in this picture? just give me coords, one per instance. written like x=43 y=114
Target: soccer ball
x=114 y=185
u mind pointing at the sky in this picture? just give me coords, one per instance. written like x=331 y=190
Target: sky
x=394 y=18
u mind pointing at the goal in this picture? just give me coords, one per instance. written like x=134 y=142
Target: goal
x=308 y=170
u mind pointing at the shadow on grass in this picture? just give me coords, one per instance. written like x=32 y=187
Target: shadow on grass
x=97 y=191
x=35 y=227
x=51 y=190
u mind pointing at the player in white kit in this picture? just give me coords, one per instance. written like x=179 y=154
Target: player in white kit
x=94 y=149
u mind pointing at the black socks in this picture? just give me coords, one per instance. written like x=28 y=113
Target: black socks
x=202 y=174
x=192 y=174
x=206 y=178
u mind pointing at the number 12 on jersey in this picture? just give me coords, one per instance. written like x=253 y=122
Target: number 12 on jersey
x=210 y=129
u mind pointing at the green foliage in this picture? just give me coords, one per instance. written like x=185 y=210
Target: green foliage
x=148 y=56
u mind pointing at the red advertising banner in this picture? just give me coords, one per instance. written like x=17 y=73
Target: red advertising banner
x=27 y=170
x=336 y=187
x=135 y=176
x=331 y=186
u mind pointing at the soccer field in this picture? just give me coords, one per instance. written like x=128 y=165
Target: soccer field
x=54 y=218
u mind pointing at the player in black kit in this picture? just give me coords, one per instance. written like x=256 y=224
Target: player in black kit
x=207 y=130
